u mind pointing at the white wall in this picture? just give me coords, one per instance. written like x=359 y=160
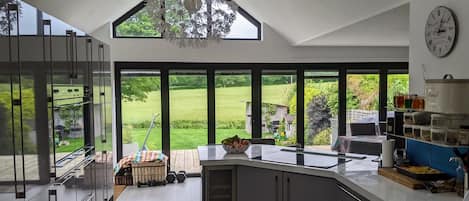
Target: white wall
x=457 y=63
x=273 y=48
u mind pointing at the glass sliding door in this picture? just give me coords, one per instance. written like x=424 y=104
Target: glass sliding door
x=279 y=106
x=232 y=104
x=321 y=108
x=188 y=118
x=362 y=102
x=398 y=83
x=141 y=110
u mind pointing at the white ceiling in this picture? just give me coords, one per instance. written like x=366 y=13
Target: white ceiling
x=301 y=22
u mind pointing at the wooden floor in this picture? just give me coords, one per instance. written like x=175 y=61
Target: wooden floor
x=187 y=160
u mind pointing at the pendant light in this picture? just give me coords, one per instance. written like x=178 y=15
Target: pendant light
x=192 y=5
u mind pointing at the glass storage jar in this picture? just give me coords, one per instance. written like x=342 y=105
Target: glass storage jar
x=439 y=121
x=416 y=130
x=464 y=137
x=426 y=133
x=408 y=130
x=452 y=137
x=439 y=135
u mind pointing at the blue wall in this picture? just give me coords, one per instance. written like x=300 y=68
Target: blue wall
x=434 y=156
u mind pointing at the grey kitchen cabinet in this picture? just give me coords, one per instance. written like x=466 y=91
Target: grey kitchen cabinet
x=255 y=184
x=346 y=194
x=298 y=187
x=219 y=183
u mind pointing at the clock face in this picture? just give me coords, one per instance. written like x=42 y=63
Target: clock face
x=441 y=31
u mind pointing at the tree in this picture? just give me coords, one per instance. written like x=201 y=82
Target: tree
x=137 y=88
x=319 y=115
x=3 y=15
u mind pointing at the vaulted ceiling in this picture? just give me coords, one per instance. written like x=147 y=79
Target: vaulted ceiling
x=301 y=22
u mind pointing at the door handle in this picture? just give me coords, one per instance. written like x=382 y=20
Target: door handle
x=288 y=188
x=349 y=193
x=276 y=187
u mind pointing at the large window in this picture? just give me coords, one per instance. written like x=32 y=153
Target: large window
x=233 y=104
x=141 y=110
x=188 y=117
x=321 y=107
x=138 y=23
x=362 y=99
x=30 y=24
x=205 y=103
x=279 y=106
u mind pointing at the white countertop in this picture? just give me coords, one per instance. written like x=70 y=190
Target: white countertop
x=359 y=175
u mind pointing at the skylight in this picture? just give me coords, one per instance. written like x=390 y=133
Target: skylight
x=137 y=23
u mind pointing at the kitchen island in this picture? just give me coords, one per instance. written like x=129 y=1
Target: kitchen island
x=266 y=172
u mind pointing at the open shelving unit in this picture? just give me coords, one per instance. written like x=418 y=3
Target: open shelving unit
x=428 y=142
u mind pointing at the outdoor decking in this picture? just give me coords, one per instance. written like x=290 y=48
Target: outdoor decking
x=187 y=160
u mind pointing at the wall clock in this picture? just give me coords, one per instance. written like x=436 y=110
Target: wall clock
x=441 y=31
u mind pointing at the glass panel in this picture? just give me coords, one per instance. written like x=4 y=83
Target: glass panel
x=232 y=99
x=138 y=25
x=279 y=106
x=28 y=20
x=141 y=24
x=141 y=110
x=59 y=27
x=362 y=102
x=242 y=28
x=188 y=118
x=397 y=84
x=321 y=106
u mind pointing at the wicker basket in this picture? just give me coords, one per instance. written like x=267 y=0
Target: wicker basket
x=149 y=171
x=124 y=180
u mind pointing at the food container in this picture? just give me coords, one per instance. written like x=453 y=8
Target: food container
x=418 y=103
x=464 y=137
x=439 y=135
x=408 y=130
x=426 y=133
x=417 y=118
x=408 y=118
x=390 y=125
x=439 y=121
x=416 y=131
x=455 y=121
x=452 y=137
x=447 y=95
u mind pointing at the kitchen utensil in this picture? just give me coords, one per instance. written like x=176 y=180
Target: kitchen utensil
x=393 y=175
x=433 y=176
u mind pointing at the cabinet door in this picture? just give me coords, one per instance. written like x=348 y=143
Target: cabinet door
x=299 y=187
x=256 y=184
x=345 y=194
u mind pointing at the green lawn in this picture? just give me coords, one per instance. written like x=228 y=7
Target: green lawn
x=183 y=138
x=191 y=104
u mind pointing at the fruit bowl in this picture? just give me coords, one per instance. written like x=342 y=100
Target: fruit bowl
x=235 y=150
x=235 y=145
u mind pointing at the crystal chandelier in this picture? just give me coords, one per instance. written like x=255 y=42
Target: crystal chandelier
x=192 y=23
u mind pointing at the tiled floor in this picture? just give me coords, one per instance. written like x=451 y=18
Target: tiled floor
x=190 y=190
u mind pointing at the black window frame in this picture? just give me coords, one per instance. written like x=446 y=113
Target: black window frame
x=382 y=68
x=142 y=5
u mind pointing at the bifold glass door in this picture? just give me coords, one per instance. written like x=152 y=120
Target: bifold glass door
x=279 y=106
x=233 y=104
x=362 y=101
x=321 y=107
x=188 y=118
x=141 y=110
